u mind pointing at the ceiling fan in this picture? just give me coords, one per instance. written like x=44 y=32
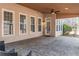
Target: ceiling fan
x=51 y=11
x=54 y=12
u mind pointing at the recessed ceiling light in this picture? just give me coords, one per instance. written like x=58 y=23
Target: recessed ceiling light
x=66 y=8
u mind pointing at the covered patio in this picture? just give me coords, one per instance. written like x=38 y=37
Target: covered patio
x=38 y=28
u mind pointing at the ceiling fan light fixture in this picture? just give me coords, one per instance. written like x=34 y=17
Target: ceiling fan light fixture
x=53 y=13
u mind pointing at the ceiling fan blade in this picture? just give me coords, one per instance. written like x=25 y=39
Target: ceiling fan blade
x=57 y=11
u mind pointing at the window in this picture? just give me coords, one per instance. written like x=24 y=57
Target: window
x=8 y=23
x=59 y=25
x=39 y=24
x=32 y=24
x=22 y=23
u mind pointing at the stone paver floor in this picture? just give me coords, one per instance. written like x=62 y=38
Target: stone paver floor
x=48 y=46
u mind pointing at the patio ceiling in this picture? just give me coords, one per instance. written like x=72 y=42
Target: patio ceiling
x=64 y=8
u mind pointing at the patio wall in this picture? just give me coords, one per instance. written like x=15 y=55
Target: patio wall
x=20 y=9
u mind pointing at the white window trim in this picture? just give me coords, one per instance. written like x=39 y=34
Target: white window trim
x=19 y=23
x=8 y=10
x=30 y=23
x=41 y=24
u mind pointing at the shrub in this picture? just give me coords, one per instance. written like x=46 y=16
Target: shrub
x=66 y=29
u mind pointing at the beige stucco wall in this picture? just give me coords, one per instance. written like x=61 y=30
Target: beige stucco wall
x=20 y=9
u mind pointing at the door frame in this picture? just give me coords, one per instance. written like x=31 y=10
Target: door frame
x=46 y=25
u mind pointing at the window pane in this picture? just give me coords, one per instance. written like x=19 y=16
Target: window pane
x=39 y=27
x=8 y=25
x=32 y=20
x=22 y=23
x=39 y=21
x=32 y=24
x=39 y=24
x=33 y=28
x=23 y=28
x=6 y=29
x=22 y=18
